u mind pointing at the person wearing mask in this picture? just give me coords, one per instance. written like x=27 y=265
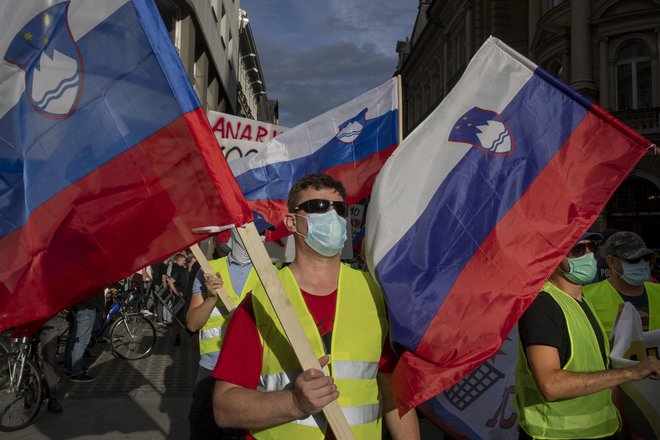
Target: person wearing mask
x=208 y=315
x=563 y=384
x=629 y=261
x=261 y=387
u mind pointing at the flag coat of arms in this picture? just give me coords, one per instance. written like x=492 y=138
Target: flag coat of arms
x=478 y=206
x=350 y=142
x=106 y=158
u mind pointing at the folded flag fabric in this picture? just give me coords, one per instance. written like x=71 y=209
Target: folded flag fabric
x=350 y=142
x=106 y=159
x=477 y=207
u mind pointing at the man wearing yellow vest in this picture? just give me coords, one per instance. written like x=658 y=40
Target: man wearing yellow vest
x=563 y=384
x=629 y=261
x=261 y=387
x=208 y=315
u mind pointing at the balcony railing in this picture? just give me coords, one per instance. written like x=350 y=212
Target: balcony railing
x=644 y=121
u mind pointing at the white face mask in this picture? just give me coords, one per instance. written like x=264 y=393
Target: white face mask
x=238 y=252
x=326 y=233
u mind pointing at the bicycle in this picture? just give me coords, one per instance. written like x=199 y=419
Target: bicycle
x=21 y=384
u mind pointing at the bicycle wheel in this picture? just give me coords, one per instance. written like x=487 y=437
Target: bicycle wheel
x=21 y=391
x=133 y=337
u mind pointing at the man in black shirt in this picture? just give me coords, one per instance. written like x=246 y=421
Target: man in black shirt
x=563 y=386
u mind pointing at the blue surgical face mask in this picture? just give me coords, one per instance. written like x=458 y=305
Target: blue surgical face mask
x=635 y=274
x=326 y=233
x=581 y=270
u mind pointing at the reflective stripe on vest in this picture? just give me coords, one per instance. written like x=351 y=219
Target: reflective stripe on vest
x=589 y=416
x=605 y=301
x=358 y=334
x=212 y=333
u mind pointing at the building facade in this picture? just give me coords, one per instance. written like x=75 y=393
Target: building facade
x=608 y=50
x=218 y=52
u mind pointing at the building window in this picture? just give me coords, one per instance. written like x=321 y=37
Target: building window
x=633 y=76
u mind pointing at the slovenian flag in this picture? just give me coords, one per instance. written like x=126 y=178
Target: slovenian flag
x=350 y=142
x=477 y=207
x=106 y=159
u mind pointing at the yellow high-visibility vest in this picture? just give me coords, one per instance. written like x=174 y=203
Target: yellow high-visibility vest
x=359 y=331
x=605 y=302
x=590 y=416
x=212 y=333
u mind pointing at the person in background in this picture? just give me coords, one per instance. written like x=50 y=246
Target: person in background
x=563 y=384
x=209 y=316
x=48 y=335
x=629 y=261
x=177 y=280
x=84 y=317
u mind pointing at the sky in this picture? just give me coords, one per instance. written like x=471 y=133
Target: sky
x=318 y=54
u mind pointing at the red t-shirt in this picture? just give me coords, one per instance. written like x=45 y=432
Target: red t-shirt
x=241 y=356
x=242 y=353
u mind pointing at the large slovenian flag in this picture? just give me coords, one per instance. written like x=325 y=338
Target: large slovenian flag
x=350 y=142
x=478 y=206
x=106 y=158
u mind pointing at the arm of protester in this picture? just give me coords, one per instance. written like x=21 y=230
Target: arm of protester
x=170 y=282
x=201 y=307
x=238 y=407
x=400 y=427
x=557 y=384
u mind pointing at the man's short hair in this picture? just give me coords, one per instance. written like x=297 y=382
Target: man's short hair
x=179 y=255
x=316 y=181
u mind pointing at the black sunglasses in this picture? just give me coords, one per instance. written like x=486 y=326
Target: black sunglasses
x=318 y=206
x=581 y=249
x=645 y=258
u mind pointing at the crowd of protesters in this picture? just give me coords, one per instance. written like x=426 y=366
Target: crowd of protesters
x=248 y=384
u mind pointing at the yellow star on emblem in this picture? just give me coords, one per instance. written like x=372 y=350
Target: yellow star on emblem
x=27 y=36
x=44 y=40
x=47 y=20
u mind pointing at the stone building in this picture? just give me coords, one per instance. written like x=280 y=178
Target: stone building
x=608 y=50
x=217 y=49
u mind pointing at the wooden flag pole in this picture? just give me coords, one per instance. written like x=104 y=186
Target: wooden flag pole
x=206 y=267
x=289 y=320
x=399 y=94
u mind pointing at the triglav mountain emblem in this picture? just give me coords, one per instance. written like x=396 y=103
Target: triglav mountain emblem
x=45 y=50
x=351 y=129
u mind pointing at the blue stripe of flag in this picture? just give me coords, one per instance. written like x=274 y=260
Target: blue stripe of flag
x=273 y=181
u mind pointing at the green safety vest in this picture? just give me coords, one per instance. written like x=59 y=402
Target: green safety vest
x=210 y=336
x=359 y=330
x=605 y=302
x=591 y=416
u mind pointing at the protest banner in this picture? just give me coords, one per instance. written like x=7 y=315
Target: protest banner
x=239 y=137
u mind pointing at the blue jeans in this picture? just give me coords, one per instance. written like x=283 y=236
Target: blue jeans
x=81 y=331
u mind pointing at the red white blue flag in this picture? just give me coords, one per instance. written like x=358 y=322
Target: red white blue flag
x=477 y=207
x=350 y=142
x=106 y=158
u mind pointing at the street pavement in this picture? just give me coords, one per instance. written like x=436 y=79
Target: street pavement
x=144 y=399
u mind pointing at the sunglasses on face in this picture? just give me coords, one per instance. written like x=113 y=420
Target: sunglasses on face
x=645 y=259
x=581 y=249
x=319 y=206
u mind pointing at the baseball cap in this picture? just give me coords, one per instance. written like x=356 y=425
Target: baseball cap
x=595 y=236
x=261 y=224
x=626 y=245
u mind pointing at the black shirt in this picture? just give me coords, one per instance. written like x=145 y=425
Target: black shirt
x=543 y=323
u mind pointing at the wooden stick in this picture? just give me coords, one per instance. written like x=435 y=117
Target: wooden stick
x=206 y=267
x=290 y=322
x=399 y=93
